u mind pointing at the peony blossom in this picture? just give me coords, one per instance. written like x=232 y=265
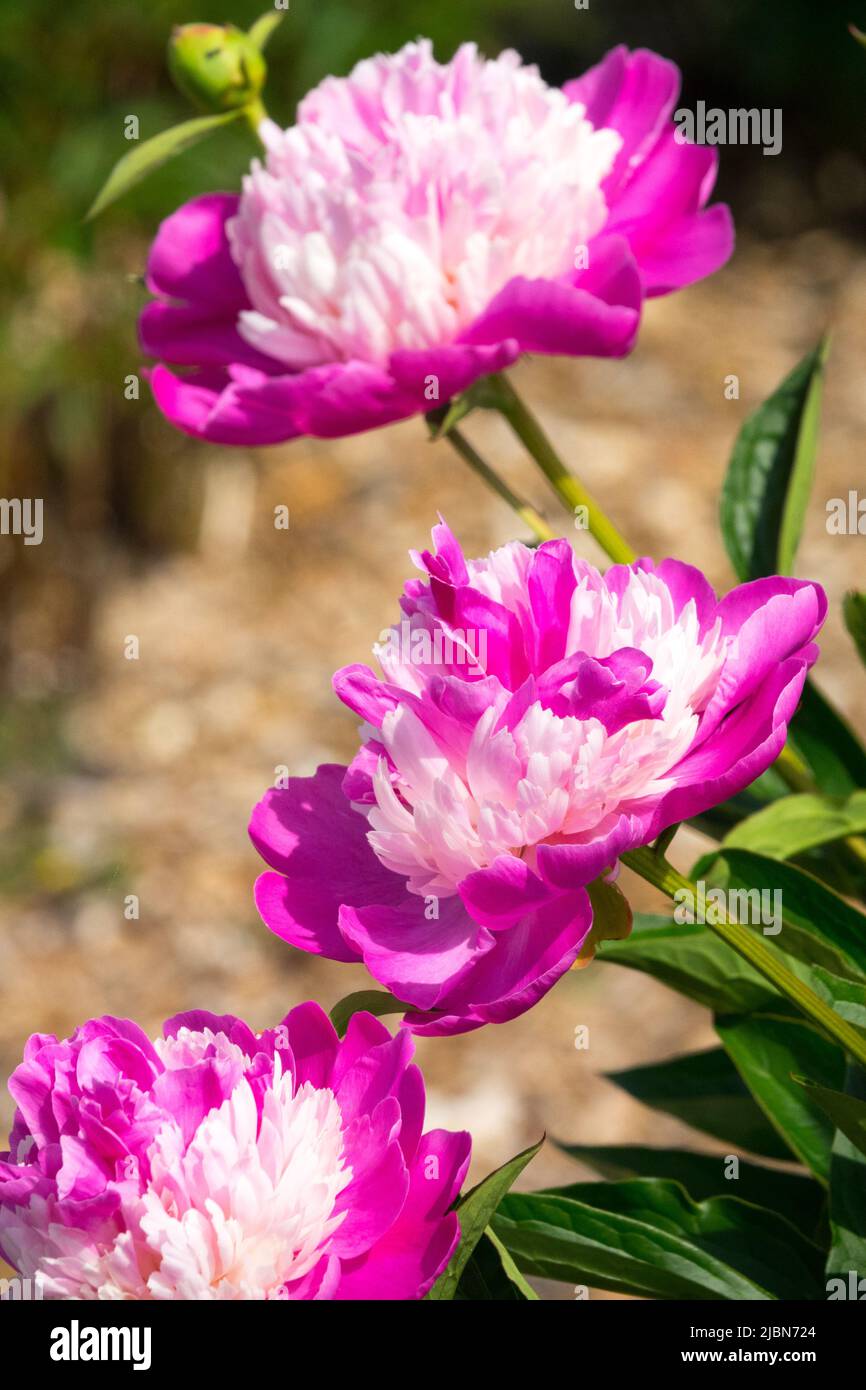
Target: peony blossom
x=535 y=719
x=217 y=1164
x=420 y=226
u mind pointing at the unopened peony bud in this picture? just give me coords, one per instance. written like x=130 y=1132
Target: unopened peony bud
x=218 y=67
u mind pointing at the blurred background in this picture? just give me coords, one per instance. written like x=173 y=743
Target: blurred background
x=136 y=777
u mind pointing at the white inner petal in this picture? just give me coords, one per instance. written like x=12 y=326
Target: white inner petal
x=551 y=778
x=406 y=196
x=244 y=1208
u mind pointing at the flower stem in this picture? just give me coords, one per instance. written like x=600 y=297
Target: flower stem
x=657 y=871
x=793 y=770
x=570 y=491
x=524 y=510
x=254 y=114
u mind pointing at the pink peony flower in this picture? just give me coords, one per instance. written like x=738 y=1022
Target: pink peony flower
x=420 y=226
x=535 y=720
x=215 y=1164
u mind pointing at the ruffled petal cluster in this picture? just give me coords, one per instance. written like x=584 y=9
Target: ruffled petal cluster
x=420 y=226
x=215 y=1163
x=534 y=719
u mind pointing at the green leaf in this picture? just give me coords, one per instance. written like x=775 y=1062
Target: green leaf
x=848 y=1113
x=826 y=741
x=766 y=490
x=766 y=1049
x=492 y=1276
x=854 y=613
x=705 y=1090
x=848 y=997
x=647 y=1237
x=798 y=1198
x=718 y=820
x=848 y=1181
x=260 y=32
x=798 y=823
x=819 y=927
x=148 y=156
x=371 y=1001
x=694 y=961
x=474 y=1212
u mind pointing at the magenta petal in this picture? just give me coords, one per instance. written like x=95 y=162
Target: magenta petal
x=633 y=94
x=689 y=250
x=374 y=1198
x=415 y=958
x=295 y=913
x=452 y=368
x=103 y=1060
x=313 y=1042
x=412 y=1101
x=660 y=213
x=201 y=1020
x=189 y=402
x=327 y=402
x=771 y=619
x=408 y=1260
x=195 y=336
x=190 y=257
x=190 y=1093
x=82 y=1174
x=448 y=561
x=30 y=1086
x=466 y=609
x=357 y=785
x=552 y=316
x=529 y=958
x=744 y=746
x=310 y=833
x=500 y=895
x=364 y=693
x=551 y=582
x=370 y=1065
x=687 y=585
x=612 y=274
x=574 y=865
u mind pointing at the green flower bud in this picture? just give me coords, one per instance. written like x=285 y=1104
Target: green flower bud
x=216 y=66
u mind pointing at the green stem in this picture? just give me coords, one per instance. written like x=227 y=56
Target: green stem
x=254 y=114
x=571 y=492
x=524 y=510
x=793 y=770
x=855 y=846
x=657 y=871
